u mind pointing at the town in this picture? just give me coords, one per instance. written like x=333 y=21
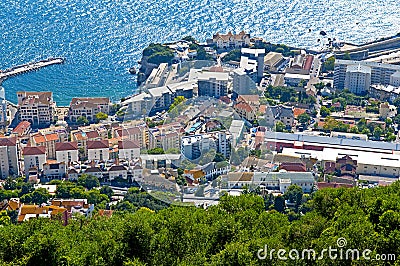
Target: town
x=234 y=115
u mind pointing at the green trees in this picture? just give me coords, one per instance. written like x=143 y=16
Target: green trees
x=233 y=55
x=82 y=120
x=156 y=151
x=329 y=64
x=324 y=111
x=39 y=196
x=304 y=119
x=230 y=233
x=101 y=116
x=279 y=126
x=158 y=53
x=88 y=181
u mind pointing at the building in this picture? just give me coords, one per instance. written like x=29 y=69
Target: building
x=98 y=150
x=118 y=171
x=272 y=60
x=88 y=108
x=136 y=133
x=245 y=111
x=384 y=92
x=275 y=181
x=237 y=129
x=293 y=79
x=8 y=157
x=34 y=159
x=36 y=107
x=67 y=152
x=48 y=141
x=212 y=84
x=128 y=150
x=243 y=82
x=280 y=113
x=156 y=161
x=22 y=129
x=395 y=79
x=3 y=108
x=253 y=58
x=192 y=147
x=54 y=170
x=94 y=171
x=358 y=78
x=380 y=73
x=230 y=40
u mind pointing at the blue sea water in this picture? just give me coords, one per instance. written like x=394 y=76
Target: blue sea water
x=102 y=39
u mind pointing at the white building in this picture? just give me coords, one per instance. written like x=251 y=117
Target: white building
x=237 y=129
x=253 y=58
x=88 y=107
x=128 y=150
x=243 y=81
x=67 y=152
x=98 y=150
x=55 y=170
x=8 y=157
x=36 y=107
x=192 y=147
x=230 y=40
x=34 y=159
x=117 y=171
x=395 y=79
x=358 y=78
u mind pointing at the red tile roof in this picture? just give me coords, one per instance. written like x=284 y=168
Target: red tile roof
x=34 y=150
x=97 y=144
x=243 y=106
x=66 y=146
x=8 y=141
x=21 y=128
x=92 y=134
x=128 y=144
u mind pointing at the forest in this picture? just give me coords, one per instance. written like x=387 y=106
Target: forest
x=230 y=233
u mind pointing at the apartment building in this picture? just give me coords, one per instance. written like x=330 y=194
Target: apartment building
x=36 y=107
x=212 y=84
x=192 y=147
x=245 y=111
x=380 y=73
x=253 y=59
x=135 y=133
x=48 y=141
x=8 y=157
x=281 y=113
x=88 y=107
x=128 y=149
x=34 y=159
x=67 y=152
x=358 y=78
x=98 y=150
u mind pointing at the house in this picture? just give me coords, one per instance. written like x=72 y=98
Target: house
x=36 y=107
x=135 y=133
x=27 y=212
x=34 y=158
x=54 y=170
x=137 y=172
x=94 y=171
x=252 y=100
x=346 y=166
x=118 y=171
x=67 y=152
x=280 y=113
x=98 y=150
x=88 y=108
x=230 y=40
x=293 y=167
x=72 y=174
x=8 y=157
x=245 y=111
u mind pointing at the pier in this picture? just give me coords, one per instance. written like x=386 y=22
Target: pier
x=21 y=69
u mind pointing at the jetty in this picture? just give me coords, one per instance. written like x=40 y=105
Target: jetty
x=21 y=69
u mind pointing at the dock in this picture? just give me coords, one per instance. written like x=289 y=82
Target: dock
x=21 y=69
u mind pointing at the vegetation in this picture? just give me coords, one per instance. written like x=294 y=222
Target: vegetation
x=82 y=120
x=288 y=94
x=230 y=233
x=156 y=151
x=101 y=116
x=329 y=64
x=304 y=119
x=158 y=53
x=279 y=48
x=233 y=55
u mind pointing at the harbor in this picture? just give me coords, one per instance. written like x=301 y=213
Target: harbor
x=21 y=69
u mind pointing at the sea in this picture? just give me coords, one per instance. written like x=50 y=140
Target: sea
x=102 y=39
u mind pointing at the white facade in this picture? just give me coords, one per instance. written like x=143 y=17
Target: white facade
x=358 y=78
x=34 y=161
x=395 y=79
x=129 y=154
x=67 y=156
x=98 y=154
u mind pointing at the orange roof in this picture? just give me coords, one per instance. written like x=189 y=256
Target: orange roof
x=298 y=111
x=243 y=106
x=39 y=138
x=51 y=137
x=22 y=127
